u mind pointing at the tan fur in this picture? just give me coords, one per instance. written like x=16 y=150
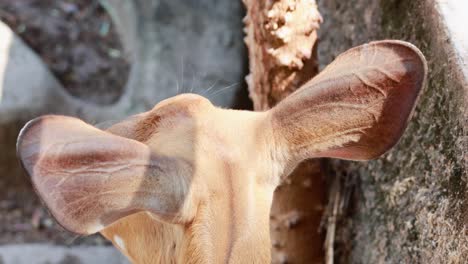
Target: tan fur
x=224 y=191
x=188 y=182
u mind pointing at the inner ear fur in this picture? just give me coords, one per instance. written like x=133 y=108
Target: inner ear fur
x=357 y=108
x=89 y=178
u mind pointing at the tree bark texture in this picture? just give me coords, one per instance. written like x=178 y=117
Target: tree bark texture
x=281 y=37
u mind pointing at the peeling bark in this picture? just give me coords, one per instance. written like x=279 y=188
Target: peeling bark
x=281 y=38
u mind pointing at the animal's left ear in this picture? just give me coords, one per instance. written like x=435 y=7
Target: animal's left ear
x=89 y=178
x=356 y=108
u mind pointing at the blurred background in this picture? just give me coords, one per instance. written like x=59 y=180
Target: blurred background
x=69 y=57
x=77 y=41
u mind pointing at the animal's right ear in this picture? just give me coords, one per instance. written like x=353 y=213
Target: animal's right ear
x=356 y=108
x=89 y=178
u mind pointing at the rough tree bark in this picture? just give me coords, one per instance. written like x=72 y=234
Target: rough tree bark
x=282 y=38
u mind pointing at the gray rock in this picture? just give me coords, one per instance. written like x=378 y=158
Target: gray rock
x=182 y=46
x=50 y=254
x=410 y=205
x=27 y=87
x=175 y=46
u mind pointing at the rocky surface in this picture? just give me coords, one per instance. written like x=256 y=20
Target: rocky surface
x=50 y=254
x=410 y=205
x=76 y=40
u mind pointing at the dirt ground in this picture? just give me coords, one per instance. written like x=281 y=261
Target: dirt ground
x=77 y=41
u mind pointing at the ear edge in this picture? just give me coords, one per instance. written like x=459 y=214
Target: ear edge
x=22 y=136
x=77 y=226
x=417 y=59
x=421 y=59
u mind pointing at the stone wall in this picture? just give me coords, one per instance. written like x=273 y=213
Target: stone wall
x=410 y=205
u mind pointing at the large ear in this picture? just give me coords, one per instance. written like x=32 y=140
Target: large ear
x=356 y=108
x=89 y=178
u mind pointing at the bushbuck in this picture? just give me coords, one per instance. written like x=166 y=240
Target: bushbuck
x=188 y=182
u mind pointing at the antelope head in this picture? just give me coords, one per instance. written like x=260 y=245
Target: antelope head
x=188 y=182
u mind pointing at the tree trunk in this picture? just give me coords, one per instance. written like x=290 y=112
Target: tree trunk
x=281 y=38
